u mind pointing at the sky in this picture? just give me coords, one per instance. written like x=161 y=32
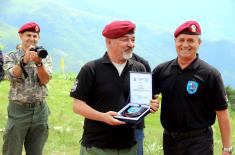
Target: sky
x=216 y=17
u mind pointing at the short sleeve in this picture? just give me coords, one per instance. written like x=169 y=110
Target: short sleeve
x=217 y=93
x=83 y=85
x=10 y=60
x=155 y=81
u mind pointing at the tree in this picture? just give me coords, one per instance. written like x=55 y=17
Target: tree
x=231 y=96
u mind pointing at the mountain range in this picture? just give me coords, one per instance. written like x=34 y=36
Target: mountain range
x=72 y=30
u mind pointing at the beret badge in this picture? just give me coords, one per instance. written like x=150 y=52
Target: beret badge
x=193 y=28
x=36 y=28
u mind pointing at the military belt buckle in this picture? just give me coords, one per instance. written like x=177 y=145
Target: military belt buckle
x=32 y=105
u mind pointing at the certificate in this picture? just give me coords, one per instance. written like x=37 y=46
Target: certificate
x=140 y=87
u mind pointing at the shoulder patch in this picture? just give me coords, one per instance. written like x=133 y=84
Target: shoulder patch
x=74 y=86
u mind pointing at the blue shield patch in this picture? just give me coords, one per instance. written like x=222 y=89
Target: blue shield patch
x=192 y=87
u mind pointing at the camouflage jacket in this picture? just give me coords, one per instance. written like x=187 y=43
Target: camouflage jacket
x=25 y=90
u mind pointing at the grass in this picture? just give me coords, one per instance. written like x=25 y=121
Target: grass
x=66 y=127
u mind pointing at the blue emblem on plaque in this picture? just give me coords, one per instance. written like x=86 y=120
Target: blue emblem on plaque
x=192 y=87
x=133 y=109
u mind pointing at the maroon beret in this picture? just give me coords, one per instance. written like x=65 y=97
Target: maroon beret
x=117 y=29
x=189 y=27
x=31 y=26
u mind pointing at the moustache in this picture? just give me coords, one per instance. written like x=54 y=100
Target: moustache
x=128 y=50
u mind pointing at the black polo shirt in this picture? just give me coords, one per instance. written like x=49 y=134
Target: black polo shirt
x=101 y=87
x=190 y=96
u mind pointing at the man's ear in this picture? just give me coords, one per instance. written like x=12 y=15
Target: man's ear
x=20 y=35
x=108 y=41
x=200 y=41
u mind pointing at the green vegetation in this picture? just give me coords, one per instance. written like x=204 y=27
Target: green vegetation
x=66 y=127
x=231 y=96
x=1 y=46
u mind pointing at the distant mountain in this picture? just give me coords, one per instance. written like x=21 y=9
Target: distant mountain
x=221 y=54
x=71 y=30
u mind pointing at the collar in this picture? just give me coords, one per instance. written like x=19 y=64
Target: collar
x=105 y=59
x=193 y=66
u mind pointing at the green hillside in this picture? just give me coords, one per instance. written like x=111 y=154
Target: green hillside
x=66 y=127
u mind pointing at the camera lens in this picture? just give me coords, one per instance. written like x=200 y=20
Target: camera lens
x=42 y=53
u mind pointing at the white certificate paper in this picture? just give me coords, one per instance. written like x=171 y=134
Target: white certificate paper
x=140 y=87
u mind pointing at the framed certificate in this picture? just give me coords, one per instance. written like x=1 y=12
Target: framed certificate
x=140 y=96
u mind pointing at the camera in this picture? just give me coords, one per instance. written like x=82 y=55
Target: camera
x=42 y=53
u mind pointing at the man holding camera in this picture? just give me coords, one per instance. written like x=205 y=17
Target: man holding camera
x=28 y=112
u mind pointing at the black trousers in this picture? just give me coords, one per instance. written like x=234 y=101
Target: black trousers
x=189 y=143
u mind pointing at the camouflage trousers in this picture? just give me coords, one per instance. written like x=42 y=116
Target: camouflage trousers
x=26 y=126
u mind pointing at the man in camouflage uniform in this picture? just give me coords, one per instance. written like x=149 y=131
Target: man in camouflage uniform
x=28 y=112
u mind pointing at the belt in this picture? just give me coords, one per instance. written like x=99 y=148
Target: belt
x=181 y=135
x=29 y=105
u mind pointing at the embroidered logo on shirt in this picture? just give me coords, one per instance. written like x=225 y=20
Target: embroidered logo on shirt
x=192 y=87
x=226 y=98
x=74 y=86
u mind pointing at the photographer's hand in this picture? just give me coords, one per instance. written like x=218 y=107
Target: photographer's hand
x=34 y=55
x=27 y=57
x=35 y=58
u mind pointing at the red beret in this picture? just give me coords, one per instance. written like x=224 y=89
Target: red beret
x=189 y=27
x=117 y=29
x=31 y=26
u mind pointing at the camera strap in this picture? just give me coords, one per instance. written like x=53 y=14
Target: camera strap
x=22 y=64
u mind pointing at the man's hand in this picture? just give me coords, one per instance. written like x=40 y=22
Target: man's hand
x=27 y=57
x=225 y=153
x=35 y=58
x=31 y=55
x=109 y=119
x=154 y=104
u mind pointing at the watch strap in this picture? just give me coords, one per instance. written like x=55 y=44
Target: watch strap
x=39 y=64
x=228 y=149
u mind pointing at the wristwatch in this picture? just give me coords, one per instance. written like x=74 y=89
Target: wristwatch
x=228 y=149
x=39 y=65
